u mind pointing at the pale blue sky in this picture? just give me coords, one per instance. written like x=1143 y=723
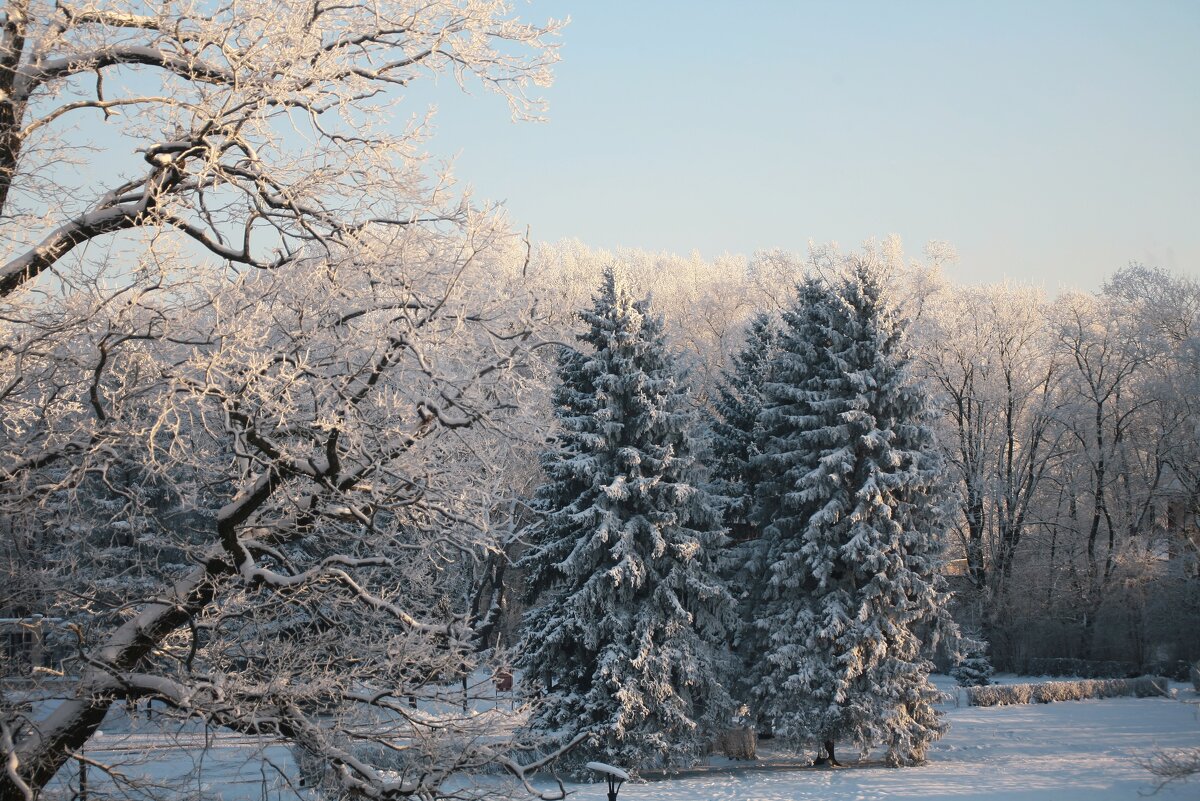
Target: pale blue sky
x=1048 y=141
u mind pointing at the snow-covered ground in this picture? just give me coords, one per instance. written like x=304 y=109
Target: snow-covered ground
x=1071 y=751
x=1075 y=751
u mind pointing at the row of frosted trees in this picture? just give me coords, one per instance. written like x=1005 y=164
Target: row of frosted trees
x=1067 y=421
x=651 y=629
x=1070 y=429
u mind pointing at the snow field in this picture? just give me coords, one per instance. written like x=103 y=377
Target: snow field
x=1069 y=751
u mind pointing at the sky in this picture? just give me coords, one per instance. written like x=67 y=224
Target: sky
x=1050 y=142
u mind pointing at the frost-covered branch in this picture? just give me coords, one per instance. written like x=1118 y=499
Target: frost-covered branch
x=245 y=74
x=524 y=771
x=257 y=488
x=1173 y=766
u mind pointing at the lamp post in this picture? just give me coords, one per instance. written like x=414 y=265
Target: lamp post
x=615 y=776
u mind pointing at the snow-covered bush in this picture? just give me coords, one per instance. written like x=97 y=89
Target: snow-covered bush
x=998 y=695
x=739 y=742
x=1196 y=677
x=1047 y=692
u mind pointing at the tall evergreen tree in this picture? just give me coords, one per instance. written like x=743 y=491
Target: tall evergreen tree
x=626 y=642
x=736 y=441
x=737 y=432
x=853 y=517
x=770 y=643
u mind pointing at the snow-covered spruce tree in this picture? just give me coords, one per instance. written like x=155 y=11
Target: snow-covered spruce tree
x=626 y=640
x=853 y=521
x=736 y=437
x=974 y=669
x=770 y=643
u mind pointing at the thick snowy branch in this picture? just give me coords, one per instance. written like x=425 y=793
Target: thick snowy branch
x=188 y=68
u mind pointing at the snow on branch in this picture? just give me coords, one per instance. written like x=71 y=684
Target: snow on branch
x=523 y=772
x=188 y=68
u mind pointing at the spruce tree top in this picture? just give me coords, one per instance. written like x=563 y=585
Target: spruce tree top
x=623 y=439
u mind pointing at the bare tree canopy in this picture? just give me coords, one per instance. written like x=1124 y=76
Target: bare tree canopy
x=255 y=378
x=263 y=128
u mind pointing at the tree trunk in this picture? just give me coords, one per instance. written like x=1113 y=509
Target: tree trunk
x=42 y=751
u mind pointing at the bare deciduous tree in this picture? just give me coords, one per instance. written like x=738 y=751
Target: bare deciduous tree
x=986 y=351
x=252 y=375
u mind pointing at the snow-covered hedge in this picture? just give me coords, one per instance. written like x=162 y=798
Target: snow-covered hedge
x=1045 y=692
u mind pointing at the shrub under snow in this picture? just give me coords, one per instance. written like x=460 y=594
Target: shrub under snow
x=1079 y=690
